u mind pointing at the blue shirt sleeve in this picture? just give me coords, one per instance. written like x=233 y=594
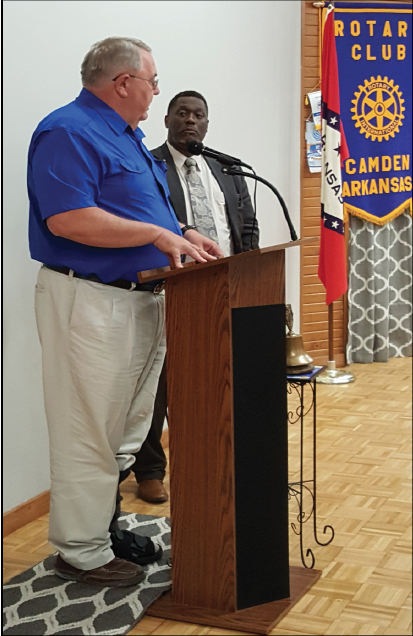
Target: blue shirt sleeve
x=66 y=171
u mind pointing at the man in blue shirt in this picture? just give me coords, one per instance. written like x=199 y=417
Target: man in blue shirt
x=99 y=213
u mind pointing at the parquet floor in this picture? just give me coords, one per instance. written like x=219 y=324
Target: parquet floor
x=364 y=492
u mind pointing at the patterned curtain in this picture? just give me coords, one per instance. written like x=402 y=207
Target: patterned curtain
x=380 y=290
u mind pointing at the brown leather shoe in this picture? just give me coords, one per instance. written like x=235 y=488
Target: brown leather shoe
x=116 y=573
x=153 y=491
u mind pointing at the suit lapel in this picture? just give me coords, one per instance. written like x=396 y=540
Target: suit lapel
x=175 y=188
x=226 y=183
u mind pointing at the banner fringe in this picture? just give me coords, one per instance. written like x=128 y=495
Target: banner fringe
x=362 y=214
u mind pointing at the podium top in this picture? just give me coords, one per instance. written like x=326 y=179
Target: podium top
x=166 y=272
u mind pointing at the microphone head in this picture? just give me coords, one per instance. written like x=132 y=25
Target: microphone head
x=195 y=147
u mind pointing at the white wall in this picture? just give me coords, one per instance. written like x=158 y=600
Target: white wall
x=243 y=56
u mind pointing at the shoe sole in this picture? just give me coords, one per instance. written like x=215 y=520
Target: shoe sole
x=71 y=577
x=153 y=501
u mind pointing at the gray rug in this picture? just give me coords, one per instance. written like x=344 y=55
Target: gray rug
x=38 y=602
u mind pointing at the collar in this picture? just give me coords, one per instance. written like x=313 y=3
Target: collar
x=179 y=158
x=112 y=118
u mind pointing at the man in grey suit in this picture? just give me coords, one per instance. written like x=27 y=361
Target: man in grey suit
x=228 y=199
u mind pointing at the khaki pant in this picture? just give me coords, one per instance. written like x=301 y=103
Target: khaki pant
x=102 y=352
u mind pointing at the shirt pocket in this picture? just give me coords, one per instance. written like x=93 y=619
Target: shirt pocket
x=219 y=197
x=130 y=168
x=121 y=179
x=220 y=207
x=135 y=182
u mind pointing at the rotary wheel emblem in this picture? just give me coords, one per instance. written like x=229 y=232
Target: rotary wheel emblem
x=378 y=108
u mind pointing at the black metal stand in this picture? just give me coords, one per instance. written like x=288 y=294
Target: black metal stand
x=297 y=489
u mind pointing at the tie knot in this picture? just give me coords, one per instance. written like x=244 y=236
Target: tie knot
x=190 y=163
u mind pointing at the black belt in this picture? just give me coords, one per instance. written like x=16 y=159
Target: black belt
x=155 y=286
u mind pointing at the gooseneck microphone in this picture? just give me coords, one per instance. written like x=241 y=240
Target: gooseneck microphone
x=198 y=148
x=231 y=166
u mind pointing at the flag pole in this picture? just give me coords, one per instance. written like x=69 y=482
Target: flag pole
x=332 y=375
x=330 y=331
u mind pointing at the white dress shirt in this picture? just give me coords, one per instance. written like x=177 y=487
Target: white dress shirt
x=214 y=193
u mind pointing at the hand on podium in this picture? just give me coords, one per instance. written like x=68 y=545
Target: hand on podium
x=174 y=247
x=204 y=243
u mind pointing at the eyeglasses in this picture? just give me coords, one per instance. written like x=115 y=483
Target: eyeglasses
x=154 y=83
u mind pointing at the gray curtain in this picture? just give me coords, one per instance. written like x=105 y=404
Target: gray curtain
x=380 y=290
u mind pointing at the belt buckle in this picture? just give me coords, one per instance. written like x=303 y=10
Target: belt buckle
x=159 y=287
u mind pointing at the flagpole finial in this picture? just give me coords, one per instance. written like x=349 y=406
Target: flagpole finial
x=319 y=5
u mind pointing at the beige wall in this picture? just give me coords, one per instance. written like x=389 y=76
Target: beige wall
x=244 y=57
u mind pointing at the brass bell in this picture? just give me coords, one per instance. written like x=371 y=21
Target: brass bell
x=298 y=361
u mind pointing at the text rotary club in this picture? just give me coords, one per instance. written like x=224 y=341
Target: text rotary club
x=370 y=51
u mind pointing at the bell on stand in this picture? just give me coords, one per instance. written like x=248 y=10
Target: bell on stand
x=298 y=361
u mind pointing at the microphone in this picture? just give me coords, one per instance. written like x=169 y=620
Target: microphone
x=198 y=148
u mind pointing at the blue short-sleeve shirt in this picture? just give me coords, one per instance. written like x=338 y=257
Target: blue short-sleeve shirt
x=85 y=155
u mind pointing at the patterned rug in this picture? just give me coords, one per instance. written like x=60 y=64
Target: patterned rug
x=38 y=602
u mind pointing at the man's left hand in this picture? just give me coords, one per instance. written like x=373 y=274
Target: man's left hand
x=204 y=243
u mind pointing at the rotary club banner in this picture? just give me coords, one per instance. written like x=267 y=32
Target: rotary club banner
x=374 y=54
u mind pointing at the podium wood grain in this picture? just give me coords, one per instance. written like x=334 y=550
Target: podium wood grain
x=201 y=440
x=258 y=282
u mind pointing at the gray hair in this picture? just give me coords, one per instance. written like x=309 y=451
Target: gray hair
x=109 y=57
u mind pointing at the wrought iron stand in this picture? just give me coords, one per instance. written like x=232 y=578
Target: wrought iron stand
x=297 y=489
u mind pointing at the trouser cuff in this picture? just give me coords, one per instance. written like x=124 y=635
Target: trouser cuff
x=159 y=474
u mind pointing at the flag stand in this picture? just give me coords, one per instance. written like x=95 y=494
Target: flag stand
x=332 y=375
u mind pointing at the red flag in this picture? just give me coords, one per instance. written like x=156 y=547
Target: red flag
x=332 y=269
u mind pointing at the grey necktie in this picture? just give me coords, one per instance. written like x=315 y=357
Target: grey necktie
x=201 y=209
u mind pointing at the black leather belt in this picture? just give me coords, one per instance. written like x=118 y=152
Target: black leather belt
x=155 y=286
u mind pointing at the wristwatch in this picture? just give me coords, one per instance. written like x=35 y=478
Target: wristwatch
x=188 y=227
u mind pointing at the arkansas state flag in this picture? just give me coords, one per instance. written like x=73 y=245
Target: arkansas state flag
x=332 y=262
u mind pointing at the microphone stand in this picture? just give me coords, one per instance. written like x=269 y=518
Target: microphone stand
x=236 y=171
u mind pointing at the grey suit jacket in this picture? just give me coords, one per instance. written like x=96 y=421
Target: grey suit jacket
x=237 y=200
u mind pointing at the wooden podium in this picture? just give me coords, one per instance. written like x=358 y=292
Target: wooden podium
x=227 y=400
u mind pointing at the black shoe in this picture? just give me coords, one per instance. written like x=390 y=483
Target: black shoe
x=133 y=547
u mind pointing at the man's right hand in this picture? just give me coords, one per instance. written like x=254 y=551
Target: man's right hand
x=174 y=246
